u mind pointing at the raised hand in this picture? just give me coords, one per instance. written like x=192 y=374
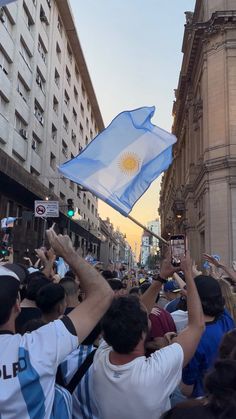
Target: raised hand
x=61 y=245
x=212 y=260
x=167 y=269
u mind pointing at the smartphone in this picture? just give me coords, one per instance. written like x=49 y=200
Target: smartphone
x=178 y=248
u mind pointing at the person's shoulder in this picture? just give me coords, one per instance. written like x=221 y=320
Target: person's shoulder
x=169 y=355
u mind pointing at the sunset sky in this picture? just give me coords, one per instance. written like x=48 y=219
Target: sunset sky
x=133 y=53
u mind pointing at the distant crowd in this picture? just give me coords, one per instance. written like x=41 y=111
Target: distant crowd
x=80 y=340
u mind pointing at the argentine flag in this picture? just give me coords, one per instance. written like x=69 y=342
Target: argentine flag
x=122 y=161
x=4 y=2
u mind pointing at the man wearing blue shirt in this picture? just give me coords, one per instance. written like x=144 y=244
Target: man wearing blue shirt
x=218 y=322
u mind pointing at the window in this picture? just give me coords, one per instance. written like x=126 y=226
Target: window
x=59 y=25
x=22 y=89
x=73 y=137
x=25 y=53
x=54 y=133
x=78 y=193
x=82 y=109
x=72 y=156
x=92 y=209
x=84 y=198
x=52 y=161
x=38 y=112
x=64 y=149
x=81 y=129
x=72 y=185
x=88 y=204
x=43 y=16
x=40 y=81
x=3 y=106
x=77 y=74
x=21 y=126
x=27 y=18
x=96 y=212
x=36 y=143
x=42 y=50
x=87 y=122
x=83 y=90
x=58 y=51
x=57 y=78
x=91 y=134
x=76 y=94
x=62 y=196
x=88 y=105
x=92 y=118
x=55 y=104
x=4 y=63
x=69 y=53
x=65 y=123
x=74 y=116
x=50 y=187
x=80 y=148
x=86 y=140
x=49 y=3
x=68 y=76
x=67 y=99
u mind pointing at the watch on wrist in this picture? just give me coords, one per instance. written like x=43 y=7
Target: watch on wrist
x=160 y=279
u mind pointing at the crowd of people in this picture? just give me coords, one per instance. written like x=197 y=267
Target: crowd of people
x=104 y=343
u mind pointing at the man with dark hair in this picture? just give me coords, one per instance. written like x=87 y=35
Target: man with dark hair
x=126 y=383
x=72 y=292
x=29 y=362
x=117 y=286
x=218 y=322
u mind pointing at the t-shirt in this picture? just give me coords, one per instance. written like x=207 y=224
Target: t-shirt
x=84 y=405
x=162 y=322
x=172 y=305
x=206 y=353
x=28 y=365
x=180 y=318
x=139 y=389
x=26 y=314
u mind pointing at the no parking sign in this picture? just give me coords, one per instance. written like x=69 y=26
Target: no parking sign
x=46 y=209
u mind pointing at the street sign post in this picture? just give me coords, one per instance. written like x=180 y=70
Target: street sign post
x=46 y=209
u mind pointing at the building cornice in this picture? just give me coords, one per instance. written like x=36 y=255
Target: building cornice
x=71 y=31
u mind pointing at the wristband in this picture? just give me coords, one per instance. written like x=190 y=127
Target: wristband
x=160 y=279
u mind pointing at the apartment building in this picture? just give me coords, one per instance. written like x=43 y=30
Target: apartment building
x=48 y=114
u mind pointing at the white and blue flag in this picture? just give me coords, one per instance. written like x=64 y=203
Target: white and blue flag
x=4 y=2
x=122 y=161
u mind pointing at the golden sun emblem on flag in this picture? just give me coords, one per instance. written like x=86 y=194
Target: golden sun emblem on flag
x=129 y=163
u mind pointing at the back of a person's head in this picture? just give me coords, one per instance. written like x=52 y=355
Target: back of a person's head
x=124 y=324
x=32 y=325
x=36 y=281
x=210 y=295
x=228 y=345
x=93 y=336
x=9 y=289
x=144 y=287
x=115 y=284
x=134 y=290
x=70 y=286
x=108 y=274
x=220 y=385
x=49 y=296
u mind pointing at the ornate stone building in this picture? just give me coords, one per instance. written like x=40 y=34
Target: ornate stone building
x=198 y=193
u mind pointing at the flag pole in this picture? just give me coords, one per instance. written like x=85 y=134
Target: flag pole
x=146 y=229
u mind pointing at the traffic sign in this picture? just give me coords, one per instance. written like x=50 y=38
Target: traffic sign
x=46 y=209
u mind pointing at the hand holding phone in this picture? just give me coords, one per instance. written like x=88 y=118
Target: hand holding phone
x=178 y=248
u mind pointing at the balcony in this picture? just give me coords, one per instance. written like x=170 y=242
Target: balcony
x=6 y=43
x=12 y=10
x=22 y=107
x=5 y=84
x=31 y=8
x=25 y=71
x=19 y=146
x=38 y=128
x=4 y=129
x=36 y=161
x=27 y=36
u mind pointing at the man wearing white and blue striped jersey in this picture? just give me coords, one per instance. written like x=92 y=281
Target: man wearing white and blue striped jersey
x=28 y=363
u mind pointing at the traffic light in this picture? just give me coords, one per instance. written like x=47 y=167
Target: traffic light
x=4 y=252
x=70 y=208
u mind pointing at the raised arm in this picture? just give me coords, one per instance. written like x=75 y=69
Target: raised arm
x=190 y=337
x=230 y=272
x=167 y=270
x=98 y=294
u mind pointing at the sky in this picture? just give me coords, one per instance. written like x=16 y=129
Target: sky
x=133 y=53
